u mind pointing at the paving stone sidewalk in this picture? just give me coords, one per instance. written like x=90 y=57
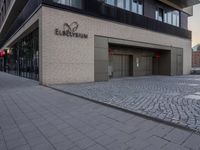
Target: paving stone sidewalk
x=172 y=99
x=34 y=117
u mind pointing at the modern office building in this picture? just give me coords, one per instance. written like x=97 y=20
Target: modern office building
x=73 y=41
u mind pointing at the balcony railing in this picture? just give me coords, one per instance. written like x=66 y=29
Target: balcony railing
x=100 y=10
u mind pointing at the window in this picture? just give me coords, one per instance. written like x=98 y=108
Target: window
x=159 y=14
x=165 y=17
x=128 y=5
x=110 y=2
x=135 y=6
x=140 y=7
x=168 y=16
x=76 y=3
x=120 y=3
x=73 y=3
x=175 y=18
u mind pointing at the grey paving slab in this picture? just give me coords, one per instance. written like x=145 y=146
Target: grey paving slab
x=178 y=136
x=16 y=143
x=3 y=145
x=173 y=146
x=24 y=147
x=104 y=140
x=96 y=147
x=65 y=145
x=171 y=99
x=193 y=142
x=43 y=147
x=33 y=117
x=156 y=142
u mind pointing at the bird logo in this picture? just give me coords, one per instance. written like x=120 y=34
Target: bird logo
x=73 y=27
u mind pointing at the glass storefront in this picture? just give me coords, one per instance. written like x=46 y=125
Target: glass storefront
x=23 y=58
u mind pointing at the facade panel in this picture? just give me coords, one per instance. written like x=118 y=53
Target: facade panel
x=84 y=54
x=87 y=42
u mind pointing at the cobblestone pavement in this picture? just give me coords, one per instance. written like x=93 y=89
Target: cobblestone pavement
x=34 y=117
x=172 y=99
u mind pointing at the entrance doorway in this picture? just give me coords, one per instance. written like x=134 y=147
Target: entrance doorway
x=131 y=61
x=121 y=65
x=162 y=63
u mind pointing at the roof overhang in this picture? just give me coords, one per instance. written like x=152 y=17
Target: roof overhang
x=184 y=3
x=13 y=12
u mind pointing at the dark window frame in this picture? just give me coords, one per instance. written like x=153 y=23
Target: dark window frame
x=167 y=9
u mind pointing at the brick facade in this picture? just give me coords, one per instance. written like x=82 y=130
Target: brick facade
x=196 y=58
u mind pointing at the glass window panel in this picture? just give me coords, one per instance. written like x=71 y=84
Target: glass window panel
x=178 y=21
x=110 y=2
x=174 y=19
x=128 y=7
x=165 y=17
x=169 y=15
x=76 y=3
x=156 y=14
x=64 y=2
x=140 y=8
x=120 y=3
x=134 y=6
x=160 y=14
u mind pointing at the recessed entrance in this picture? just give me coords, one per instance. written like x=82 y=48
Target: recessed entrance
x=115 y=58
x=132 y=61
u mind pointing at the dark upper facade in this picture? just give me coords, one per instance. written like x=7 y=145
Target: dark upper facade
x=4 y=5
x=164 y=16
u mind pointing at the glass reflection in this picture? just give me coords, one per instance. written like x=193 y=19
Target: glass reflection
x=23 y=58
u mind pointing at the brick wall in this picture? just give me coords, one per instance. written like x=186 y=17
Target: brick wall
x=196 y=59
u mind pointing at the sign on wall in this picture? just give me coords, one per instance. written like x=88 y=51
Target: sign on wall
x=70 y=30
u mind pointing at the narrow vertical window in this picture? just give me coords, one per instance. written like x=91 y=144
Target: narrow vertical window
x=175 y=17
x=165 y=16
x=120 y=3
x=134 y=6
x=128 y=6
x=178 y=20
x=169 y=15
x=140 y=8
x=160 y=14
